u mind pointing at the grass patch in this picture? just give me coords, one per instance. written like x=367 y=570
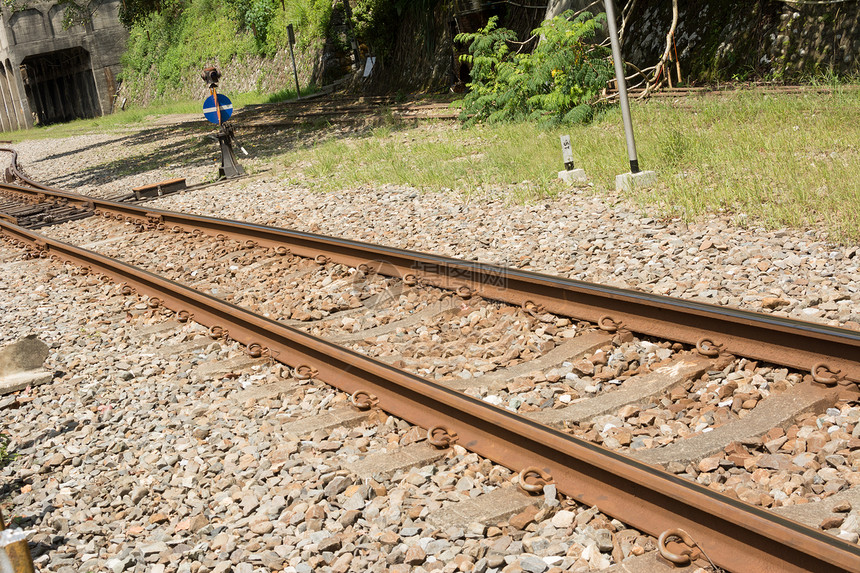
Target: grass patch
x=478 y=160
x=779 y=161
x=5 y=455
x=129 y=118
x=772 y=160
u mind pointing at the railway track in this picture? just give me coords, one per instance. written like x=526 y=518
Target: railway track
x=37 y=211
x=339 y=108
x=731 y=89
x=343 y=109
x=706 y=350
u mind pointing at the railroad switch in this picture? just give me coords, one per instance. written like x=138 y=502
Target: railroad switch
x=159 y=189
x=217 y=109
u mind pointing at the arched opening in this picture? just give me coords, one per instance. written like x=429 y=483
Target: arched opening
x=60 y=86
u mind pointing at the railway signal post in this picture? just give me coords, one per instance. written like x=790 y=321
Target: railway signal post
x=218 y=109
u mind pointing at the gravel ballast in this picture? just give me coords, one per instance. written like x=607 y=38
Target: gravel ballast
x=143 y=454
x=132 y=460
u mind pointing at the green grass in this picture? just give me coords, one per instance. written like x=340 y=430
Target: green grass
x=780 y=161
x=772 y=160
x=479 y=160
x=133 y=117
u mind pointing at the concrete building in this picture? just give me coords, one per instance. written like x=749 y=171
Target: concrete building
x=48 y=74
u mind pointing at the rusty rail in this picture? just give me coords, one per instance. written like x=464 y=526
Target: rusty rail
x=831 y=354
x=736 y=536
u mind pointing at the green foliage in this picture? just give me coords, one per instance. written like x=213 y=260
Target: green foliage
x=132 y=12
x=78 y=13
x=169 y=45
x=375 y=23
x=257 y=15
x=75 y=13
x=310 y=20
x=558 y=82
x=268 y=21
x=166 y=46
x=15 y=5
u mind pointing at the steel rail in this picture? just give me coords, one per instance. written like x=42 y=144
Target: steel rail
x=832 y=354
x=736 y=536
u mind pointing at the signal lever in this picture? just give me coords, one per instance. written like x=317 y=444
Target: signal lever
x=230 y=167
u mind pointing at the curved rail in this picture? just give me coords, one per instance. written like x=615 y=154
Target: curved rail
x=736 y=536
x=831 y=354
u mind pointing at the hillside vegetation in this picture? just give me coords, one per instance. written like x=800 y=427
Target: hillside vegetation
x=168 y=47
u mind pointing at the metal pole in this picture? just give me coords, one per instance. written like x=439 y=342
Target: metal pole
x=295 y=72
x=622 y=86
x=217 y=104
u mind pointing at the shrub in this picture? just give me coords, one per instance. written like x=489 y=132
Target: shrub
x=165 y=48
x=558 y=82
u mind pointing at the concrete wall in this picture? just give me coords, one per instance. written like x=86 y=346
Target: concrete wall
x=50 y=74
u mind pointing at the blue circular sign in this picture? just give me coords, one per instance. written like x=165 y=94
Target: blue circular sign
x=211 y=112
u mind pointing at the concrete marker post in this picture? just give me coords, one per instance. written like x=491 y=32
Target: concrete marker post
x=570 y=175
x=636 y=178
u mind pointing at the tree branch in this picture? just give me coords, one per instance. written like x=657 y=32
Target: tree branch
x=657 y=80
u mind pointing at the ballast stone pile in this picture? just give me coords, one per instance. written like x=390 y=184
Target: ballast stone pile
x=478 y=337
x=132 y=460
x=571 y=382
x=813 y=459
x=714 y=399
x=276 y=286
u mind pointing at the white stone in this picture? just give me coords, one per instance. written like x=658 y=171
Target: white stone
x=563 y=519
